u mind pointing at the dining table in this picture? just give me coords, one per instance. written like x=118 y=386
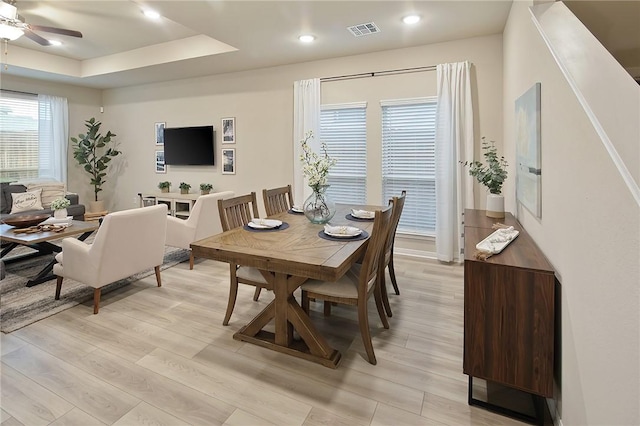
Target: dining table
x=287 y=256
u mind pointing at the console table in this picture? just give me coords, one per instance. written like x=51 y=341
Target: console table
x=178 y=205
x=508 y=314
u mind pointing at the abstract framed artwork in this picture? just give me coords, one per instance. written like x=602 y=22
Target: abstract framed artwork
x=159 y=128
x=229 y=130
x=528 y=158
x=228 y=161
x=160 y=166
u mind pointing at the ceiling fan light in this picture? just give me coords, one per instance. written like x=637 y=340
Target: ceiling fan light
x=151 y=14
x=7 y=32
x=55 y=42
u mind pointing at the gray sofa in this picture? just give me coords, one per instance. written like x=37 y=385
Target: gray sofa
x=75 y=209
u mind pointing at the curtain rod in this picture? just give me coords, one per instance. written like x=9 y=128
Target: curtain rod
x=18 y=91
x=379 y=73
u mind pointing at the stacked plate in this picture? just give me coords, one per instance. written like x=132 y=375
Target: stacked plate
x=264 y=223
x=363 y=214
x=342 y=231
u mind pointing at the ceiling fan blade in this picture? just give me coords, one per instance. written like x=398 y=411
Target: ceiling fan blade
x=35 y=37
x=54 y=30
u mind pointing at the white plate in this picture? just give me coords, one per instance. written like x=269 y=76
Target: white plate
x=342 y=235
x=264 y=223
x=297 y=209
x=363 y=214
x=495 y=242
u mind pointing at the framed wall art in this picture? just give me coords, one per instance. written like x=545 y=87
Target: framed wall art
x=228 y=161
x=160 y=166
x=160 y=133
x=528 y=160
x=229 y=130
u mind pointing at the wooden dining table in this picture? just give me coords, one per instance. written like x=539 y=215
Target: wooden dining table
x=287 y=258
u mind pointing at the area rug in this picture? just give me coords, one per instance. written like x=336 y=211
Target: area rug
x=21 y=305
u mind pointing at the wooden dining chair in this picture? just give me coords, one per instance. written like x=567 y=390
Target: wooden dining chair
x=398 y=205
x=277 y=200
x=357 y=285
x=236 y=212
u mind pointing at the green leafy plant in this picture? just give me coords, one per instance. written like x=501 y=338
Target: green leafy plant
x=493 y=174
x=184 y=186
x=166 y=184
x=206 y=187
x=60 y=203
x=93 y=153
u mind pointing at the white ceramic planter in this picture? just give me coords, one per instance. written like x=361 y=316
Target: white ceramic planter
x=60 y=214
x=495 y=206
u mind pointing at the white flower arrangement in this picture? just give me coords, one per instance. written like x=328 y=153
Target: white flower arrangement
x=60 y=203
x=315 y=167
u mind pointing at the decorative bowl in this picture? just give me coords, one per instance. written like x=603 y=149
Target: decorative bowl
x=25 y=221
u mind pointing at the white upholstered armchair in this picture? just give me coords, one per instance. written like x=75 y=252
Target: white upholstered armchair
x=126 y=243
x=203 y=221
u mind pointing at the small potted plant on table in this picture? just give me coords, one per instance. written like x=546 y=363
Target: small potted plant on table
x=184 y=188
x=492 y=176
x=205 y=188
x=164 y=186
x=59 y=207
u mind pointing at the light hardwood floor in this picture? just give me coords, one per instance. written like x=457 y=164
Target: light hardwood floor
x=161 y=356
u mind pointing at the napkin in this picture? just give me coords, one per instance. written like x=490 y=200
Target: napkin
x=342 y=230
x=363 y=214
x=264 y=223
x=297 y=208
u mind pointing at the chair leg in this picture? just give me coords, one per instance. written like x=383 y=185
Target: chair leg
x=327 y=308
x=392 y=274
x=305 y=302
x=363 y=321
x=191 y=260
x=256 y=294
x=158 y=279
x=96 y=300
x=384 y=294
x=380 y=306
x=233 y=293
x=58 y=287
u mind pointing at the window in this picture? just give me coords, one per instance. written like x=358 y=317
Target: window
x=344 y=129
x=19 y=151
x=408 y=161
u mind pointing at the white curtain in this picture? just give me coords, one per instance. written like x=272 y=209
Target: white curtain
x=53 y=135
x=306 y=117
x=454 y=143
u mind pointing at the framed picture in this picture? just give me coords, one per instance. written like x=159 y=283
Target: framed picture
x=229 y=130
x=160 y=166
x=228 y=161
x=160 y=133
x=528 y=167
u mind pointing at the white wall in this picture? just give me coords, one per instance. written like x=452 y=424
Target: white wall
x=590 y=231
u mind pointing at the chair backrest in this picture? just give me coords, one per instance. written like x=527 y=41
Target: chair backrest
x=204 y=214
x=129 y=241
x=237 y=211
x=277 y=200
x=398 y=205
x=374 y=253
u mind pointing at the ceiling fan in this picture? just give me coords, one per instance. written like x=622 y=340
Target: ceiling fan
x=13 y=26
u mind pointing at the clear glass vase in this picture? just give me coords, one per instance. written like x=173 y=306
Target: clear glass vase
x=319 y=208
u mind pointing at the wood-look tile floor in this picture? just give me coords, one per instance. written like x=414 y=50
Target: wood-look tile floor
x=161 y=356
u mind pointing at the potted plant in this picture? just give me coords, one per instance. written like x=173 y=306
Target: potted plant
x=93 y=153
x=492 y=176
x=184 y=188
x=205 y=188
x=59 y=207
x=164 y=186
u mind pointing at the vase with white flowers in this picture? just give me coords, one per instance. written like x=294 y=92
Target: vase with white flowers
x=318 y=207
x=59 y=207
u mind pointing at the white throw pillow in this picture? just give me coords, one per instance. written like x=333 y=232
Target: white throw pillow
x=50 y=191
x=25 y=201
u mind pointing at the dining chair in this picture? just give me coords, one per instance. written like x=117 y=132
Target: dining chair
x=277 y=200
x=236 y=212
x=357 y=285
x=398 y=205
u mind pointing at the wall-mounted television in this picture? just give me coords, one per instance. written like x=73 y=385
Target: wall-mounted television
x=189 y=146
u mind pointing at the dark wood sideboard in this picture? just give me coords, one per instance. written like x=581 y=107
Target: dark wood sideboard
x=508 y=311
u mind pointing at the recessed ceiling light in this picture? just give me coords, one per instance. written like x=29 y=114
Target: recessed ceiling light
x=306 y=38
x=151 y=14
x=55 y=42
x=411 y=19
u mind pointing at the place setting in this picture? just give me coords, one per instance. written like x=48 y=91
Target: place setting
x=342 y=233
x=296 y=210
x=360 y=215
x=265 y=225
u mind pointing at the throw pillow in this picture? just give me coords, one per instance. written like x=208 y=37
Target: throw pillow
x=25 y=201
x=50 y=191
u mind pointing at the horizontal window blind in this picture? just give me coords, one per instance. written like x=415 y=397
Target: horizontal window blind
x=343 y=128
x=19 y=151
x=408 y=161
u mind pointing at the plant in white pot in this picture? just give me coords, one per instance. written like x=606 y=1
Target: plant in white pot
x=492 y=176
x=59 y=207
x=93 y=153
x=184 y=187
x=205 y=188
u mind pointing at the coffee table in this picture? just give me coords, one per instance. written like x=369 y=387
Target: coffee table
x=41 y=242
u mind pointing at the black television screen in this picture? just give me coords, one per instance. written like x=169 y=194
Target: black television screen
x=189 y=146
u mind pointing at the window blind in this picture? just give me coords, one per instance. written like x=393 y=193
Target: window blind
x=408 y=161
x=19 y=151
x=343 y=128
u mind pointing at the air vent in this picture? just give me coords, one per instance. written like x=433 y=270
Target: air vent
x=364 y=29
